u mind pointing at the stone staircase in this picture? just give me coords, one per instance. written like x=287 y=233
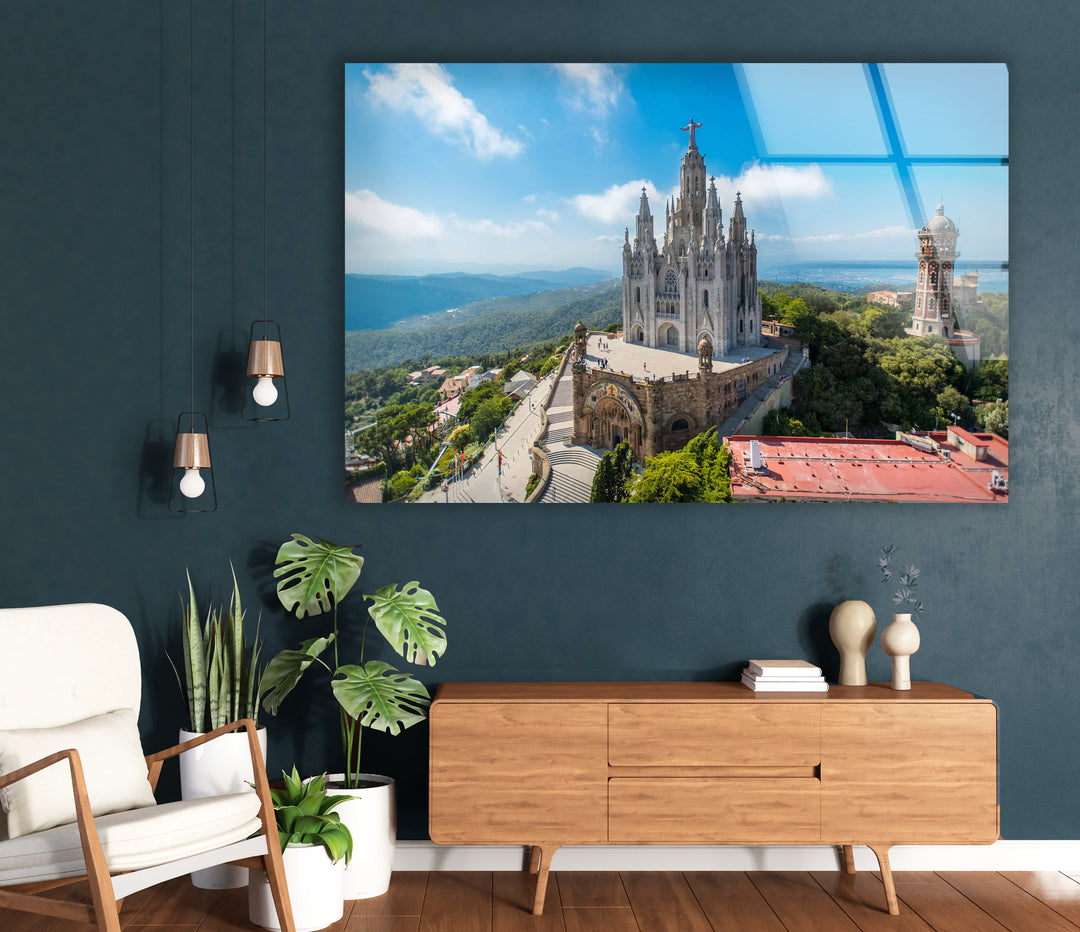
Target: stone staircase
x=572 y=471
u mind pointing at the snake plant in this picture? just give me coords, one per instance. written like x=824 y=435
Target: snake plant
x=221 y=678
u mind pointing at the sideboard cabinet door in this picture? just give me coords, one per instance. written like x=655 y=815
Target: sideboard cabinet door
x=518 y=773
x=909 y=773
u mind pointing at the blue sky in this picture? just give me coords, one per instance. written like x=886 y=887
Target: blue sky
x=510 y=167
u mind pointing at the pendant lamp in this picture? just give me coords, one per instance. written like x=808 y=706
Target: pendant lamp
x=266 y=396
x=189 y=490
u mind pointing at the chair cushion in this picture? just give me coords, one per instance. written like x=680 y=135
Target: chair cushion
x=112 y=761
x=134 y=839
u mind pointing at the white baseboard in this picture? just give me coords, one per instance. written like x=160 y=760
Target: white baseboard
x=1002 y=855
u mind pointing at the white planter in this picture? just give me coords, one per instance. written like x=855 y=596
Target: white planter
x=315 y=889
x=217 y=768
x=371 y=817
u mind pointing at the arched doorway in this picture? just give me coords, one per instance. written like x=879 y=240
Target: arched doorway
x=637 y=333
x=612 y=424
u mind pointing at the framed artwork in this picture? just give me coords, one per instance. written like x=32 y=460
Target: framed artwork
x=676 y=283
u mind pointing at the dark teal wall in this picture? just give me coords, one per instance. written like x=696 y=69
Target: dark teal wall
x=94 y=262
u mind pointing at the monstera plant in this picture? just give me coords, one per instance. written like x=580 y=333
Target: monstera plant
x=313 y=577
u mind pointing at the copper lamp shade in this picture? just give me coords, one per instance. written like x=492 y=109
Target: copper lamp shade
x=190 y=490
x=266 y=396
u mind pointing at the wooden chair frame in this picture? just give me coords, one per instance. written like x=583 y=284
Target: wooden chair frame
x=107 y=892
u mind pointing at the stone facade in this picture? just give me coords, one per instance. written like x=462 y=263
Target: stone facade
x=699 y=284
x=655 y=415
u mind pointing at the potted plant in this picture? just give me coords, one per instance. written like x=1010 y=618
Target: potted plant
x=315 y=847
x=313 y=577
x=220 y=685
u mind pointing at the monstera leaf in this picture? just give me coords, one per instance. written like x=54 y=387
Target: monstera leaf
x=284 y=671
x=380 y=697
x=409 y=619
x=313 y=577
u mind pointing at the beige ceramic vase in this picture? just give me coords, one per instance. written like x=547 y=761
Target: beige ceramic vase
x=852 y=626
x=900 y=640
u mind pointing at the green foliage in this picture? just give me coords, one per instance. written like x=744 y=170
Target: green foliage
x=994 y=418
x=613 y=475
x=990 y=320
x=315 y=577
x=312 y=576
x=696 y=473
x=491 y=413
x=781 y=423
x=990 y=380
x=531 y=484
x=400 y=485
x=305 y=816
x=221 y=678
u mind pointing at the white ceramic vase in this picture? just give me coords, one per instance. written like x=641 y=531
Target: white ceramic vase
x=371 y=817
x=316 y=890
x=218 y=768
x=900 y=640
x=852 y=626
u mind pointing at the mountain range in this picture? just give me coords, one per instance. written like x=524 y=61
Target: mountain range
x=375 y=302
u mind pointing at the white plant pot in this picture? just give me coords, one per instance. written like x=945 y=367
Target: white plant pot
x=218 y=768
x=316 y=890
x=371 y=817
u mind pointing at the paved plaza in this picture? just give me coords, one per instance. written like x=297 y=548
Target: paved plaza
x=651 y=362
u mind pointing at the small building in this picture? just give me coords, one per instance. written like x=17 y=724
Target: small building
x=888 y=298
x=520 y=385
x=942 y=466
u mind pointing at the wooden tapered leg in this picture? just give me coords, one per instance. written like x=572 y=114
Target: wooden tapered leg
x=882 y=854
x=542 y=856
x=533 y=859
x=849 y=859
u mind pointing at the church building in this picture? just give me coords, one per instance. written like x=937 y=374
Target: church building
x=692 y=350
x=699 y=285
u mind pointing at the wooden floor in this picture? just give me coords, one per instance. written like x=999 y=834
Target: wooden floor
x=580 y=901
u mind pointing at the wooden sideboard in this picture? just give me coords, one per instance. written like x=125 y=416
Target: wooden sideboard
x=552 y=764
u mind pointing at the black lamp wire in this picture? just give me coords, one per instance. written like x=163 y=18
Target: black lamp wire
x=266 y=191
x=191 y=121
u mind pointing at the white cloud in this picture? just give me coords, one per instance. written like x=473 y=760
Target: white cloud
x=529 y=198
x=766 y=184
x=608 y=238
x=882 y=233
x=595 y=89
x=618 y=204
x=551 y=216
x=365 y=209
x=427 y=91
x=512 y=230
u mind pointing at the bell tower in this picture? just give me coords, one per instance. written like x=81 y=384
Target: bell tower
x=933 y=292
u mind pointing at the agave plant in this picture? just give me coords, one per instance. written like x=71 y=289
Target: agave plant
x=313 y=577
x=305 y=816
x=221 y=678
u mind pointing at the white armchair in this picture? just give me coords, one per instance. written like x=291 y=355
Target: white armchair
x=75 y=789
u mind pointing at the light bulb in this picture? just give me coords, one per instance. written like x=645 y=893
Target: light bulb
x=192 y=484
x=265 y=392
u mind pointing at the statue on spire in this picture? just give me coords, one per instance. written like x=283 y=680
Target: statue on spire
x=691 y=128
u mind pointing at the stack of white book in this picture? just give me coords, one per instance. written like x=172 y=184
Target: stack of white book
x=784 y=676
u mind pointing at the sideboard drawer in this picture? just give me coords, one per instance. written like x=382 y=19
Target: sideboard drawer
x=756 y=734
x=706 y=810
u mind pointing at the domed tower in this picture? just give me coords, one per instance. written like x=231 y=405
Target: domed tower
x=704 y=354
x=937 y=254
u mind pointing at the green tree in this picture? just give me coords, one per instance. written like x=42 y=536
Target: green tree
x=612 y=475
x=696 y=473
x=486 y=418
x=951 y=402
x=990 y=380
x=994 y=418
